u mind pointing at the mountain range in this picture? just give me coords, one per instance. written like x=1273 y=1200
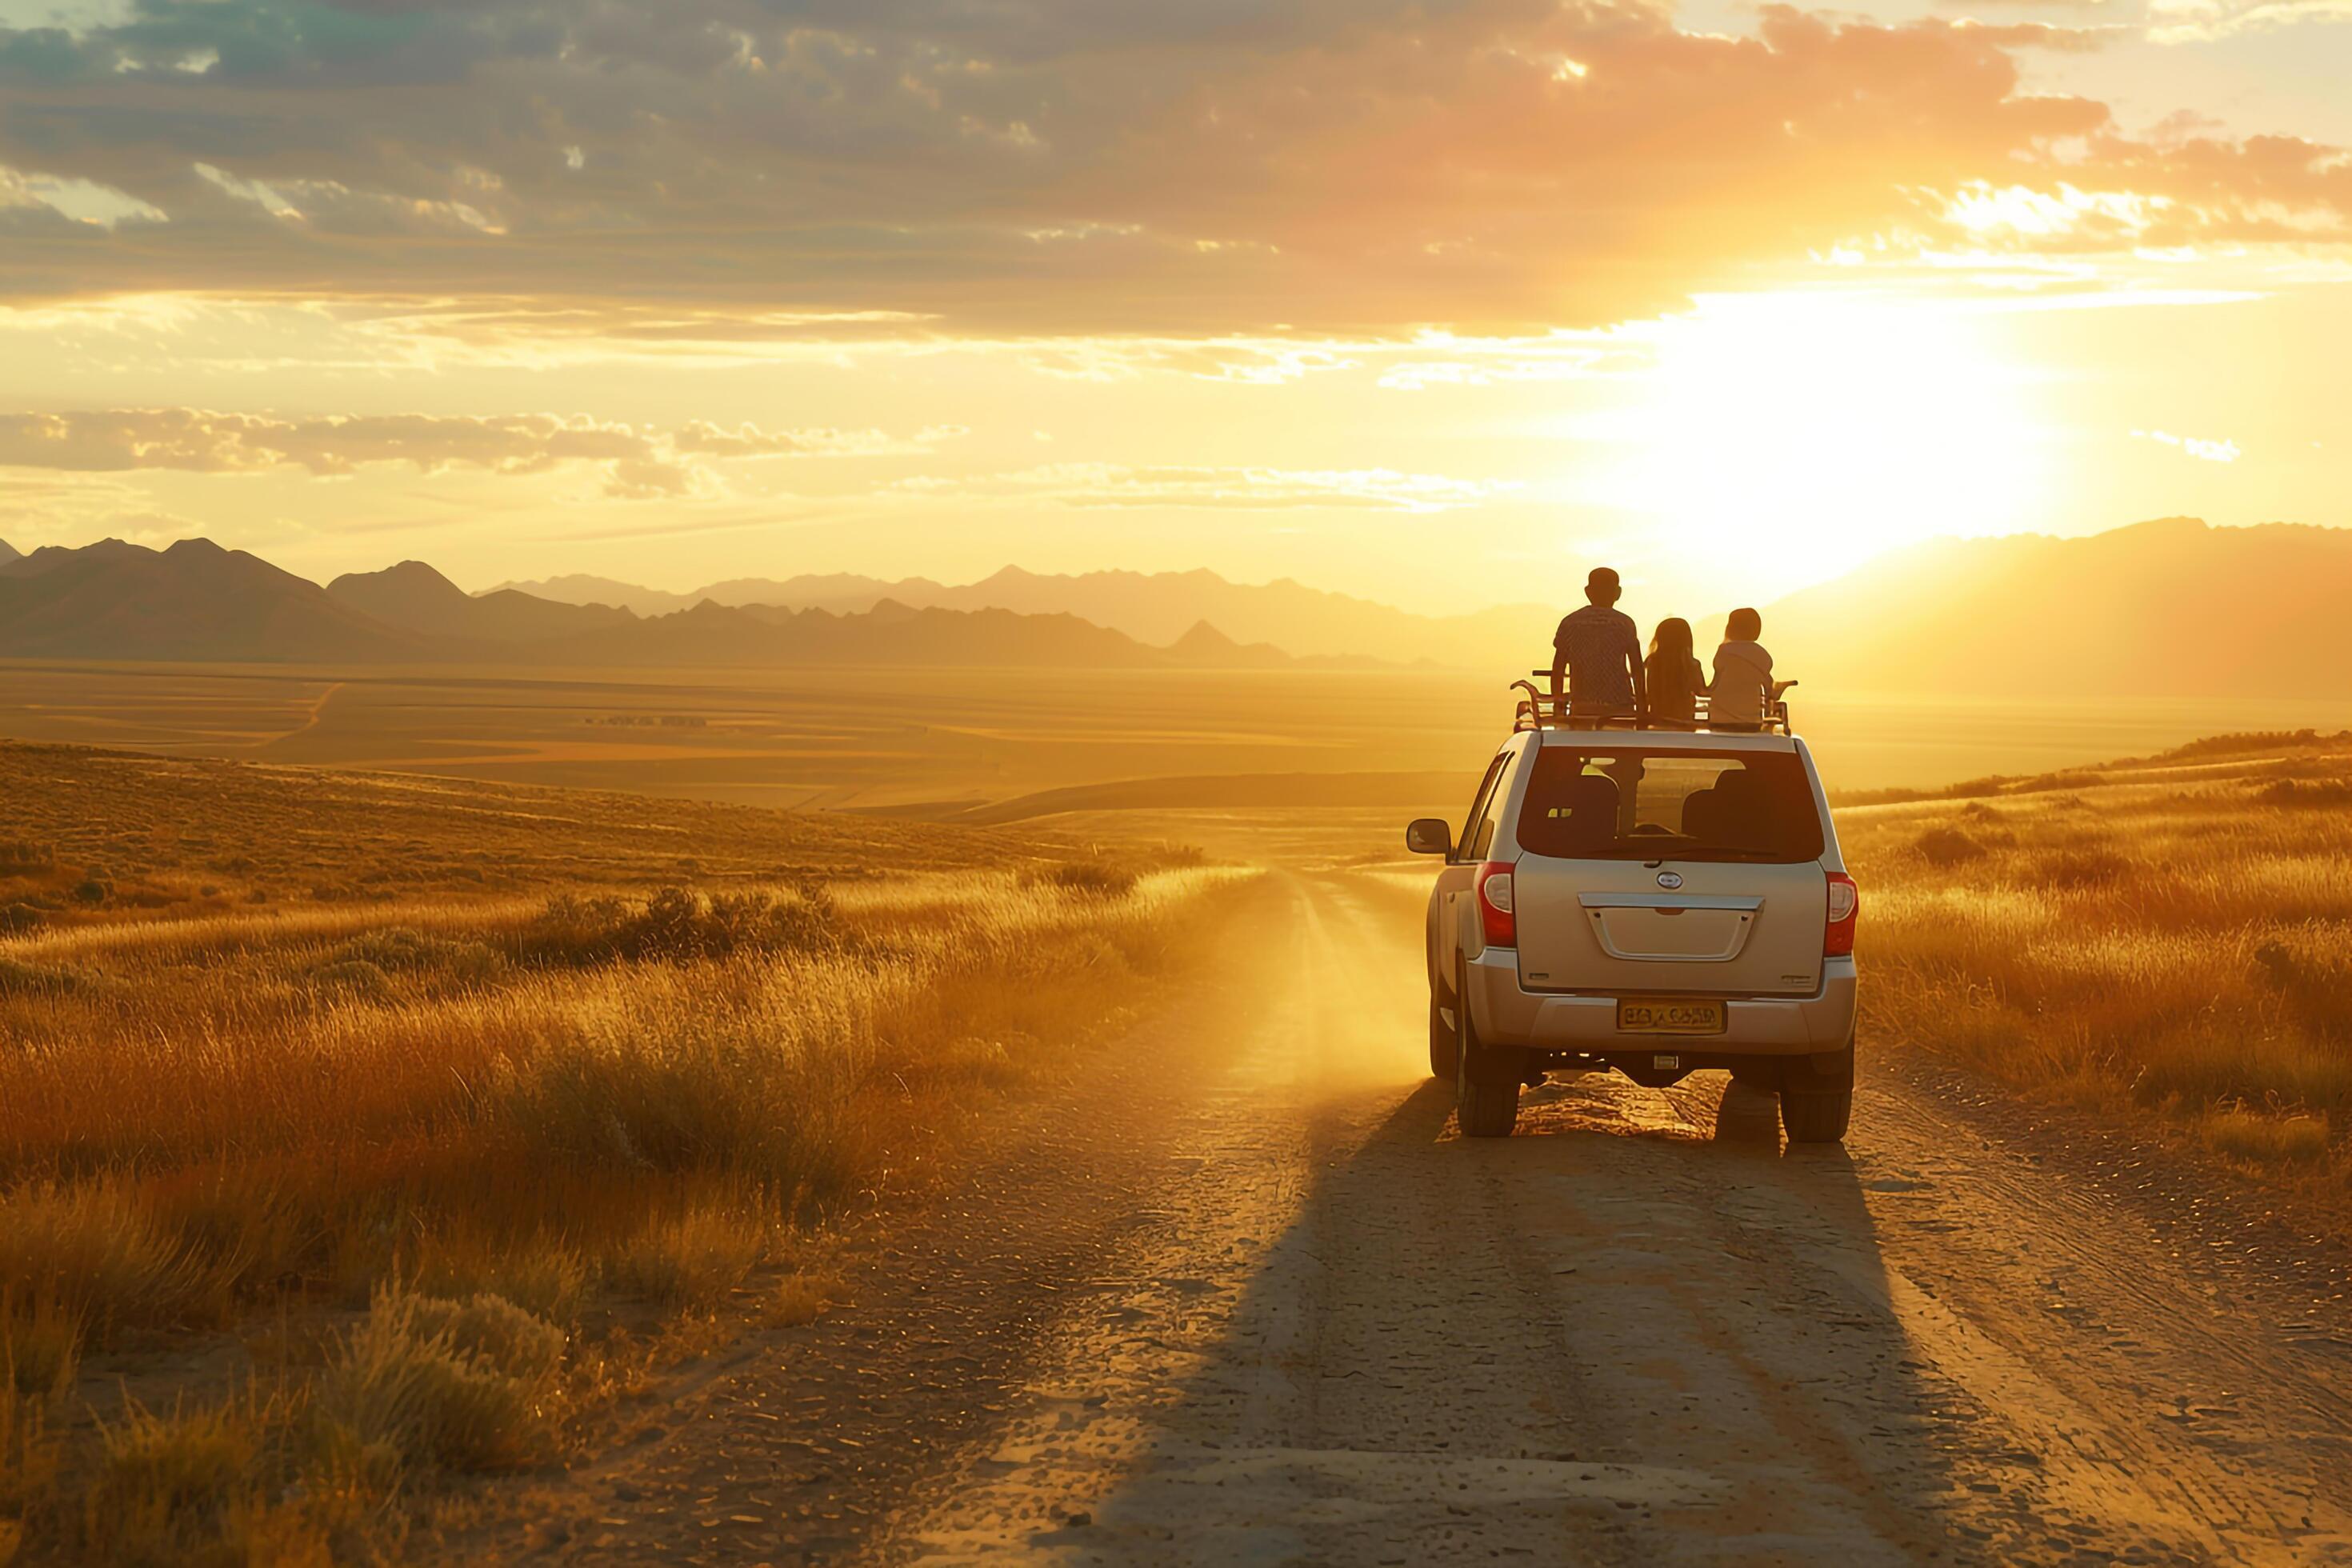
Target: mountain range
x=2171 y=608
x=195 y=601
x=1157 y=607
x=2166 y=608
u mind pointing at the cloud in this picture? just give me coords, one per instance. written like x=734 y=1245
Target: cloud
x=2200 y=21
x=704 y=439
x=2198 y=447
x=1343 y=169
x=205 y=442
x=1117 y=486
x=638 y=464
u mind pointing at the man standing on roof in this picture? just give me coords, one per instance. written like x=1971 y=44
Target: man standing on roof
x=1599 y=652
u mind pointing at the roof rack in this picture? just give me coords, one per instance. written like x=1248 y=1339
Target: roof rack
x=1537 y=709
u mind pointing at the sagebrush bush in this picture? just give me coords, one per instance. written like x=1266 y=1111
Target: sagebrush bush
x=438 y=1384
x=403 y=950
x=172 y=1485
x=677 y=925
x=1090 y=877
x=1946 y=846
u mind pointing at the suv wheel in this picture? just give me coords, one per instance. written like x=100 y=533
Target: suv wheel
x=1817 y=1097
x=1441 y=1047
x=1485 y=1080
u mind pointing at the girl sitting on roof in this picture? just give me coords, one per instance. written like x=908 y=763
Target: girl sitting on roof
x=1673 y=675
x=1743 y=690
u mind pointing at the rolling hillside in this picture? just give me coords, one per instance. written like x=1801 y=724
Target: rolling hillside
x=2171 y=608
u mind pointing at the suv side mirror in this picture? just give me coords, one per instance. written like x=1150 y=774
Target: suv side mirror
x=1429 y=835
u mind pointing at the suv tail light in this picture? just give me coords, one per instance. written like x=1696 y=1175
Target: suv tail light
x=1495 y=916
x=1845 y=903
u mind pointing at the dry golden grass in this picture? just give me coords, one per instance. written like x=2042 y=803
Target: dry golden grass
x=488 y=1128
x=2171 y=937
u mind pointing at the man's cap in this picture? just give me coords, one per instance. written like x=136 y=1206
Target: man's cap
x=1602 y=577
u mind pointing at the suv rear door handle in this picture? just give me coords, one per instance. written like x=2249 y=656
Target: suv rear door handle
x=1666 y=902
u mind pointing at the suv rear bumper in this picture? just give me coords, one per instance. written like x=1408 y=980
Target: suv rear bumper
x=1506 y=1014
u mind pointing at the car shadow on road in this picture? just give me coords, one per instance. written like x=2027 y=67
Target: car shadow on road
x=1622 y=1335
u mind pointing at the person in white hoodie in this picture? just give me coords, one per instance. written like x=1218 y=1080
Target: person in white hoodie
x=1743 y=689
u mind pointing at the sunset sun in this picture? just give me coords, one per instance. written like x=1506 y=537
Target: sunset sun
x=1797 y=433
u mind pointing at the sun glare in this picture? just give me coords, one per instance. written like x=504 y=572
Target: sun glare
x=1791 y=436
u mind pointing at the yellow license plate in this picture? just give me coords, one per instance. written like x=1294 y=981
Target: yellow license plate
x=1640 y=1016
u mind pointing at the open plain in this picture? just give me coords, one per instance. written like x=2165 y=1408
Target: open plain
x=416 y=1169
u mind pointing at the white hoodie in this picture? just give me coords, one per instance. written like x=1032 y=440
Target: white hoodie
x=1742 y=683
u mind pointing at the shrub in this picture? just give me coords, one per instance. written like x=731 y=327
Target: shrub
x=692 y=1260
x=1947 y=847
x=677 y=925
x=1089 y=878
x=355 y=975
x=399 y=950
x=2306 y=792
x=19 y=855
x=172 y=1487
x=19 y=917
x=93 y=890
x=20 y=979
x=428 y=1383
x=2249 y=1135
x=2080 y=868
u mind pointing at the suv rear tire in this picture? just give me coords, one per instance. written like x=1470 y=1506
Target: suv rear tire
x=1817 y=1097
x=1485 y=1080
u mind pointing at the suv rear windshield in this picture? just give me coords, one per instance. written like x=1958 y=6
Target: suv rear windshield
x=1622 y=802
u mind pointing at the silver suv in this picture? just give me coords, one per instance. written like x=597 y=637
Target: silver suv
x=1651 y=901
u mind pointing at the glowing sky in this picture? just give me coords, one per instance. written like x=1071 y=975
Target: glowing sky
x=1438 y=302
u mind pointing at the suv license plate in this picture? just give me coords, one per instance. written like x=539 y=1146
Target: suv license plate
x=1643 y=1016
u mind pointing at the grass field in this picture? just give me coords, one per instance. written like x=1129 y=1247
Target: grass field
x=333 y=1195
x=926 y=741
x=2169 y=938
x=361 y=1133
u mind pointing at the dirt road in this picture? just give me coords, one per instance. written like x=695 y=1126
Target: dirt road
x=1289 y=1316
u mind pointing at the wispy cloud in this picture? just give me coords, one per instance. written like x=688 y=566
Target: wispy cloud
x=2211 y=451
x=636 y=464
x=1112 y=484
x=2201 y=21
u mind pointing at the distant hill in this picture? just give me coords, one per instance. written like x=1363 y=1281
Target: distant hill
x=194 y=601
x=1157 y=608
x=580 y=588
x=9 y=553
x=416 y=598
x=198 y=602
x=891 y=633
x=2171 y=608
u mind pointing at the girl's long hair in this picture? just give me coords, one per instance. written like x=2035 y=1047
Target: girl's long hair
x=1668 y=666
